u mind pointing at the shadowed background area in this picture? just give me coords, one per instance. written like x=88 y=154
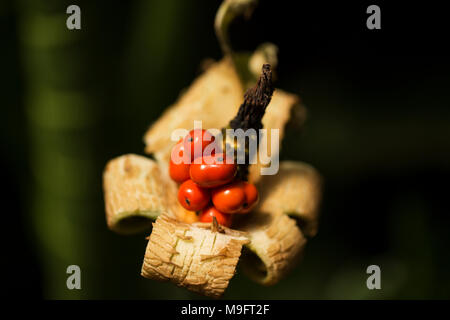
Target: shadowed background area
x=378 y=130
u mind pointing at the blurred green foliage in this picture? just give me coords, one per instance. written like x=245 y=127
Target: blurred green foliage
x=75 y=99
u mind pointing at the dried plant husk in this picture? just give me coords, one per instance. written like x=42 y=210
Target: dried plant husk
x=296 y=191
x=194 y=255
x=213 y=98
x=136 y=192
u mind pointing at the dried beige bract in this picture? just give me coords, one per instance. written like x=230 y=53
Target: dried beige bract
x=275 y=247
x=137 y=191
x=198 y=256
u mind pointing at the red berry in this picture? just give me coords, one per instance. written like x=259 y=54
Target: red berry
x=192 y=197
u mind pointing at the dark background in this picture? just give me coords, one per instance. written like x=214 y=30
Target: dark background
x=378 y=130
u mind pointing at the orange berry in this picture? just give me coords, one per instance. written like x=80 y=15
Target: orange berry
x=213 y=171
x=179 y=172
x=192 y=197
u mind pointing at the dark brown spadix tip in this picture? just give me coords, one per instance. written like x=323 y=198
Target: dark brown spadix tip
x=256 y=100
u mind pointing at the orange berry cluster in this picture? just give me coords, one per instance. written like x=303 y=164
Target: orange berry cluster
x=209 y=186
